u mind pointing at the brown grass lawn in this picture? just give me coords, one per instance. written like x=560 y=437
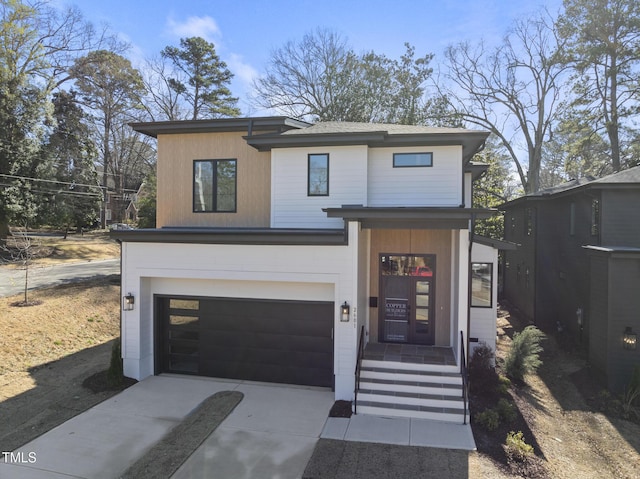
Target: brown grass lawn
x=69 y=319
x=91 y=246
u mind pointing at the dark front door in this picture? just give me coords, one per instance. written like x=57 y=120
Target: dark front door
x=406 y=293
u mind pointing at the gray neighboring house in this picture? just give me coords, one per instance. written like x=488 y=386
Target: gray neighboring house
x=578 y=267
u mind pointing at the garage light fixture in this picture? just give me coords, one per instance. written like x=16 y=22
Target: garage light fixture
x=344 y=312
x=127 y=302
x=629 y=339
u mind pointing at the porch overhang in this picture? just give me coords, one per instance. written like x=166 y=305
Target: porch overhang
x=410 y=217
x=246 y=236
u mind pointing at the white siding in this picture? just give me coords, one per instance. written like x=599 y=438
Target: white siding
x=468 y=190
x=483 y=320
x=437 y=185
x=305 y=273
x=290 y=205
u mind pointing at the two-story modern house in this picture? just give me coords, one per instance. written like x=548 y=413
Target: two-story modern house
x=578 y=267
x=279 y=241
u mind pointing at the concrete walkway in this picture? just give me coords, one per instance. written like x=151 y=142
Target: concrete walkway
x=400 y=431
x=271 y=433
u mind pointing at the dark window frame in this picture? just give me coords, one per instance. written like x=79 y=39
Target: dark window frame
x=595 y=217
x=529 y=221
x=490 y=305
x=428 y=153
x=309 y=192
x=572 y=219
x=214 y=186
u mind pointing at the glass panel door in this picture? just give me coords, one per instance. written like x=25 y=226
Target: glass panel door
x=422 y=330
x=407 y=298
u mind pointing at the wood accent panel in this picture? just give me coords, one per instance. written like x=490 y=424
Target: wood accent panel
x=416 y=242
x=176 y=153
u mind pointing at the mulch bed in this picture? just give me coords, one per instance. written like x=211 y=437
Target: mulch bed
x=340 y=409
x=98 y=383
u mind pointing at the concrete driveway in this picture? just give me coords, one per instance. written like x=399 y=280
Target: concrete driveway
x=271 y=433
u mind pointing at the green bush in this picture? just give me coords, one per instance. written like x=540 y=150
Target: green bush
x=516 y=447
x=524 y=355
x=504 y=383
x=488 y=419
x=482 y=374
x=507 y=410
x=115 y=373
x=631 y=398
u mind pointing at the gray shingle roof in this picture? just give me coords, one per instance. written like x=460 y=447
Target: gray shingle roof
x=333 y=127
x=630 y=176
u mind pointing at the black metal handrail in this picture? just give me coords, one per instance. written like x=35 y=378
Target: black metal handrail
x=464 y=374
x=357 y=373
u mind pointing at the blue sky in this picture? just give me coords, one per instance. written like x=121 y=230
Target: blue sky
x=245 y=32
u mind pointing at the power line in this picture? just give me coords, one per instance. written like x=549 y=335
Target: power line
x=61 y=192
x=16 y=177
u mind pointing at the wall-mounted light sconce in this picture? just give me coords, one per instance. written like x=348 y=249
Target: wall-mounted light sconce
x=344 y=312
x=629 y=339
x=128 y=302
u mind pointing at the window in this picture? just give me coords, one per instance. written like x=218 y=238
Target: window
x=407 y=160
x=407 y=265
x=595 y=217
x=318 y=175
x=481 y=285
x=572 y=219
x=214 y=186
x=528 y=222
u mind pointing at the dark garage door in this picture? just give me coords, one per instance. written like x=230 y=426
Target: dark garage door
x=273 y=341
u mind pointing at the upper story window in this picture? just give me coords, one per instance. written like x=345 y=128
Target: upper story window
x=407 y=160
x=318 y=175
x=595 y=217
x=528 y=222
x=572 y=219
x=214 y=186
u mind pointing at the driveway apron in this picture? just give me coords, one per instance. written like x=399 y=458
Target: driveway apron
x=271 y=433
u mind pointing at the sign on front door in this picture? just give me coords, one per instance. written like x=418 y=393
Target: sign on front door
x=396 y=319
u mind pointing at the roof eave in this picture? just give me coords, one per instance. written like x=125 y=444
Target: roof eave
x=471 y=141
x=271 y=123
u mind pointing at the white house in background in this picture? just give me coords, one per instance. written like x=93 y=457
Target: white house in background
x=279 y=241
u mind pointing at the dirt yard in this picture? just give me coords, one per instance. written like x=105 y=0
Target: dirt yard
x=574 y=440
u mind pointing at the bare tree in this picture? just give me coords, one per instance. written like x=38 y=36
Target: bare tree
x=512 y=90
x=21 y=249
x=163 y=102
x=321 y=78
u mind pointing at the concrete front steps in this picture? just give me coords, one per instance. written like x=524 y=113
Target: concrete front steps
x=399 y=389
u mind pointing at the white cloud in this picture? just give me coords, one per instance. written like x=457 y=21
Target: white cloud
x=242 y=70
x=205 y=27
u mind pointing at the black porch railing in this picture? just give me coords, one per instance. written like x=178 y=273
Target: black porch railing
x=357 y=372
x=465 y=378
